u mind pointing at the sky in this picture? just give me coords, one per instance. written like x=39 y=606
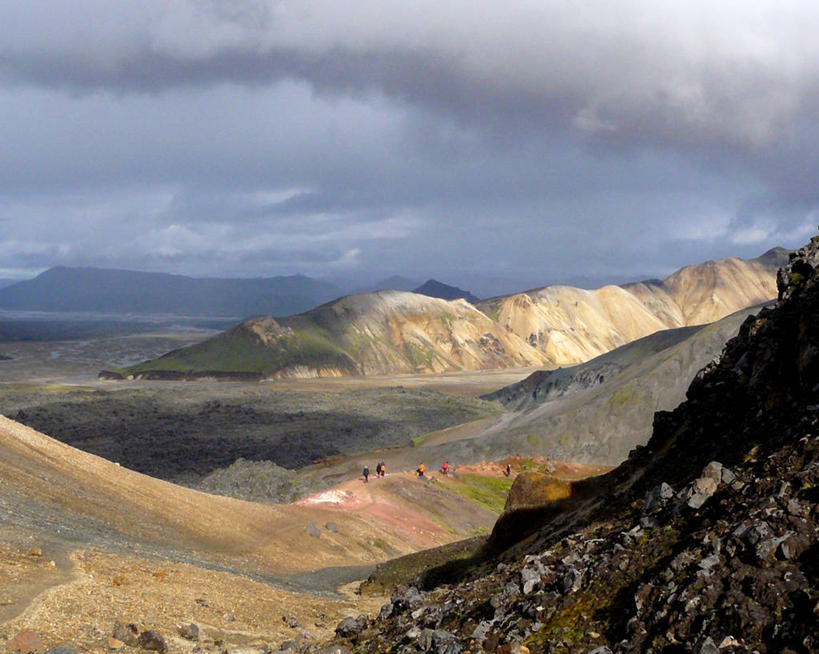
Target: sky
x=492 y=145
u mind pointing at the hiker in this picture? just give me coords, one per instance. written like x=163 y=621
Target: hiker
x=420 y=470
x=366 y=473
x=508 y=471
x=381 y=469
x=445 y=467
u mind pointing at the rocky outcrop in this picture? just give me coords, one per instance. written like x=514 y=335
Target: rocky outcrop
x=704 y=540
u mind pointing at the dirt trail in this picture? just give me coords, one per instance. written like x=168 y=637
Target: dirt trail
x=418 y=510
x=27 y=572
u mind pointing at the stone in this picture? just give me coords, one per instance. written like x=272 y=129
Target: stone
x=26 y=642
x=658 y=496
x=767 y=547
x=709 y=562
x=712 y=471
x=406 y=598
x=530 y=579
x=114 y=644
x=412 y=633
x=34 y=551
x=479 y=632
x=127 y=633
x=438 y=640
x=601 y=650
x=61 y=649
x=350 y=626
x=313 y=531
x=189 y=631
x=795 y=507
x=335 y=649
x=291 y=621
x=706 y=646
x=152 y=641
x=700 y=491
x=792 y=546
x=331 y=526
x=571 y=581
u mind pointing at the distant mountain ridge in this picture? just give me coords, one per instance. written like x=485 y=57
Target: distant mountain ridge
x=434 y=288
x=393 y=283
x=125 y=291
x=394 y=332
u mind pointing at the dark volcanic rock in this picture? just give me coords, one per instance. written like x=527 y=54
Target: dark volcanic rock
x=703 y=541
x=152 y=641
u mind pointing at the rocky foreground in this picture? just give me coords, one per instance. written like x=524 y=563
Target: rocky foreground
x=705 y=540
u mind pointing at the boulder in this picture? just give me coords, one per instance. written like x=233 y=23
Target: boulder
x=189 y=631
x=152 y=641
x=127 y=633
x=350 y=626
x=713 y=471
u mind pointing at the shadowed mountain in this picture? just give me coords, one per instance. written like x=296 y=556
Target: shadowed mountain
x=128 y=291
x=594 y=412
x=391 y=332
x=434 y=288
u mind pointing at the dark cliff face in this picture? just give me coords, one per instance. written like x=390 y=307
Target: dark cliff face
x=705 y=540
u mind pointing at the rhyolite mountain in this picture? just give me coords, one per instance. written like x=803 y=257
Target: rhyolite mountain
x=434 y=288
x=705 y=540
x=391 y=332
x=126 y=291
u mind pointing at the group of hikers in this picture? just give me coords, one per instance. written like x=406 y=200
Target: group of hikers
x=380 y=471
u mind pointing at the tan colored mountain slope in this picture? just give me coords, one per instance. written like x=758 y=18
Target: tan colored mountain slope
x=46 y=484
x=393 y=332
x=570 y=325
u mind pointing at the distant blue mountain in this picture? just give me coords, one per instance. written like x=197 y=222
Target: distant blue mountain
x=434 y=288
x=127 y=291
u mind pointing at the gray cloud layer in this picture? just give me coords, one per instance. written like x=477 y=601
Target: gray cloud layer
x=455 y=139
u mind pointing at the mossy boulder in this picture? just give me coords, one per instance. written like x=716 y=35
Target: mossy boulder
x=535 y=489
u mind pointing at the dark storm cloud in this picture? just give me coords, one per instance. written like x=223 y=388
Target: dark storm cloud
x=382 y=136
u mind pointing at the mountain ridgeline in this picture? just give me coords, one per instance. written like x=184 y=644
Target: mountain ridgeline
x=127 y=291
x=394 y=332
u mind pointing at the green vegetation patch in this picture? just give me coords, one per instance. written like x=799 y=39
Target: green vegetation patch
x=240 y=350
x=489 y=492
